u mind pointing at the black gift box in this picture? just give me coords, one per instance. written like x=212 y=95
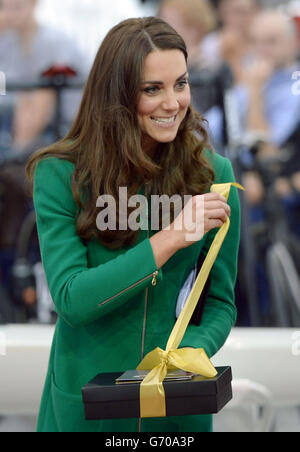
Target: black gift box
x=103 y=399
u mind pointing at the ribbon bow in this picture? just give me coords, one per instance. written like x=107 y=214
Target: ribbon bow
x=152 y=393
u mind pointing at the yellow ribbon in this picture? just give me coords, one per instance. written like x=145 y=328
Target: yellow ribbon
x=152 y=394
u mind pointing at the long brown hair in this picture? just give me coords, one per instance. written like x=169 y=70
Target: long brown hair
x=104 y=142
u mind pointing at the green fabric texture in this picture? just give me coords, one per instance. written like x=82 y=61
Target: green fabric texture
x=100 y=298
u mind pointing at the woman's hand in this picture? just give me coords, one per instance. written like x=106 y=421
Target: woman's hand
x=201 y=214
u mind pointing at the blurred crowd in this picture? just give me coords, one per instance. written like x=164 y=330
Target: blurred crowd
x=238 y=49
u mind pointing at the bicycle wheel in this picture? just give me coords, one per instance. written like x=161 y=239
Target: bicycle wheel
x=292 y=272
x=279 y=307
x=7 y=311
x=283 y=275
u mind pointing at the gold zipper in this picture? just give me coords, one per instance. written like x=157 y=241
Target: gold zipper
x=155 y=275
x=144 y=324
x=154 y=282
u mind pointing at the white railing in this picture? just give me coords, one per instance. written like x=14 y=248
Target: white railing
x=268 y=357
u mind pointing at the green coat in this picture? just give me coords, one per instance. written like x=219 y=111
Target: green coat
x=108 y=308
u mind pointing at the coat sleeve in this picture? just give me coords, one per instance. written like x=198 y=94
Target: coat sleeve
x=220 y=313
x=81 y=294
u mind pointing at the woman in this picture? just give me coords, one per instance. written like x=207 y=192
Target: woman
x=115 y=291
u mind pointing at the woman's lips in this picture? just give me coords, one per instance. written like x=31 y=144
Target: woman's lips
x=165 y=122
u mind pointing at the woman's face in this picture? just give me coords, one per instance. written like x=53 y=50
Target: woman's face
x=165 y=96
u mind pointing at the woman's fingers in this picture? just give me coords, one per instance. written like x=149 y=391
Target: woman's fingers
x=213 y=196
x=212 y=224
x=214 y=204
x=221 y=214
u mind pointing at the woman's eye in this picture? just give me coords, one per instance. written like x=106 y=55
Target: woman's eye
x=155 y=89
x=151 y=89
x=182 y=84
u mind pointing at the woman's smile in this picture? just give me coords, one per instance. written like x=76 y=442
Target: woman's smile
x=165 y=96
x=165 y=122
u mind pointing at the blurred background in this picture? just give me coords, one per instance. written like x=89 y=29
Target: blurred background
x=244 y=65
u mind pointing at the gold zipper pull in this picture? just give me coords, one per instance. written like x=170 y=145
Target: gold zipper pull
x=155 y=274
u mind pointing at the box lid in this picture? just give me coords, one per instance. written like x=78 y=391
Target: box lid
x=103 y=388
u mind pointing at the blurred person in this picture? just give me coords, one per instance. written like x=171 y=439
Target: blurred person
x=28 y=48
x=269 y=116
x=267 y=106
x=2 y=21
x=267 y=103
x=193 y=19
x=3 y=112
x=231 y=42
x=272 y=109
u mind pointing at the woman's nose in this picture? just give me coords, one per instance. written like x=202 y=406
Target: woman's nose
x=170 y=102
